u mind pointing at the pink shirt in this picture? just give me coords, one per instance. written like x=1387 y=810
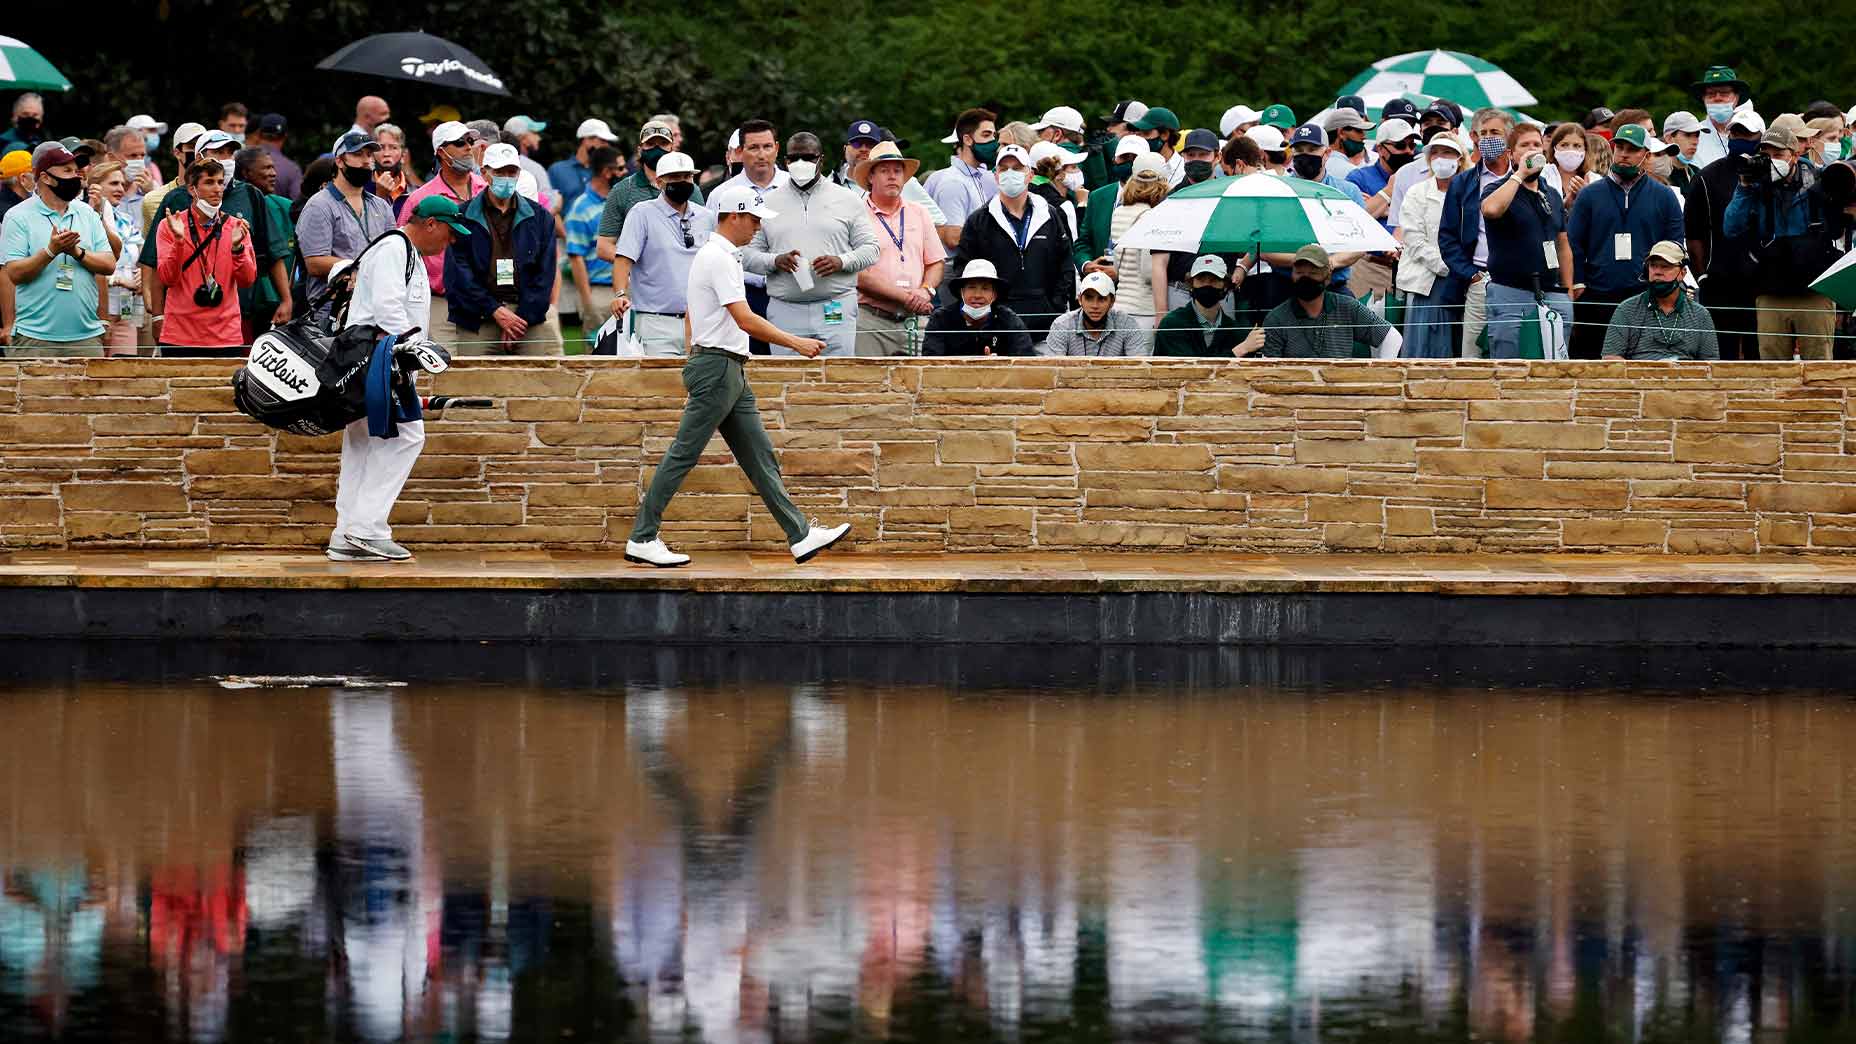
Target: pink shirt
x=188 y=324
x=900 y=266
x=435 y=263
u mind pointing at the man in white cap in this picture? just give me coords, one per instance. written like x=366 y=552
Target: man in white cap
x=719 y=324
x=456 y=177
x=185 y=136
x=653 y=144
x=500 y=280
x=570 y=176
x=524 y=132
x=1095 y=327
x=896 y=294
x=650 y=279
x=1237 y=119
x=1683 y=130
x=1275 y=148
x=1724 y=268
x=1201 y=326
x=811 y=253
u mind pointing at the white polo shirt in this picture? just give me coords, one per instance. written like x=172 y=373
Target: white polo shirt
x=715 y=283
x=384 y=296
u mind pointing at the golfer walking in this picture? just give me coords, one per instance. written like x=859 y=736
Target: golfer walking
x=718 y=326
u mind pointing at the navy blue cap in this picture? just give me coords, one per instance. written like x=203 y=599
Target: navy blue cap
x=1444 y=111
x=863 y=130
x=1351 y=101
x=354 y=141
x=1399 y=109
x=1309 y=134
x=272 y=123
x=1200 y=138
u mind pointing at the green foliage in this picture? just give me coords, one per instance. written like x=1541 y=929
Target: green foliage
x=912 y=67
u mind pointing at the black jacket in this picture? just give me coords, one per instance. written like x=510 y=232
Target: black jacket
x=1003 y=333
x=1731 y=270
x=1042 y=277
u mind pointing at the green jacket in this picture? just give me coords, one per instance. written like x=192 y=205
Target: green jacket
x=1092 y=237
x=1095 y=167
x=1179 y=334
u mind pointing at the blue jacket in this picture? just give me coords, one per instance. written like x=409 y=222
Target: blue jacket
x=470 y=273
x=1648 y=210
x=1457 y=232
x=1766 y=213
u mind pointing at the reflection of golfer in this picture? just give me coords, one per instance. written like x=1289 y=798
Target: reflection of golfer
x=718 y=326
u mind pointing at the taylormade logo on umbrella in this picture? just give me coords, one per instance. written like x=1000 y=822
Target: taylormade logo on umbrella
x=419 y=68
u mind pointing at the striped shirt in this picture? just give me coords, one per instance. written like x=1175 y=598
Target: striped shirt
x=1289 y=332
x=582 y=223
x=1640 y=330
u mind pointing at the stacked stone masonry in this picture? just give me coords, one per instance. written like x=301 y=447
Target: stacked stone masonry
x=976 y=455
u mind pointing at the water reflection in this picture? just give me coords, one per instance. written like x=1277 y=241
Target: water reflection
x=791 y=863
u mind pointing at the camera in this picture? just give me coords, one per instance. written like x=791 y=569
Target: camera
x=209 y=293
x=1757 y=169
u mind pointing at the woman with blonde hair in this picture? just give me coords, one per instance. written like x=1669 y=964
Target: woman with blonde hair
x=1140 y=275
x=1018 y=133
x=109 y=183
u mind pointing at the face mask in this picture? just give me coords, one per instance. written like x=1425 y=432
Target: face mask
x=1663 y=165
x=359 y=177
x=134 y=168
x=1307 y=165
x=1307 y=289
x=1352 y=147
x=153 y=141
x=67 y=188
x=27 y=125
x=679 y=192
x=1121 y=172
x=207 y=210
x=1491 y=149
x=1012 y=183
x=1198 y=170
x=1207 y=296
x=1781 y=169
x=1742 y=147
x=1626 y=172
x=1721 y=112
x=230 y=167
x=1073 y=180
x=1431 y=132
x=463 y=165
x=804 y=172
x=986 y=151
x=1395 y=161
x=502 y=188
x=1660 y=288
x=1570 y=160
x=649 y=157
x=240 y=138
x=976 y=311
x=1444 y=167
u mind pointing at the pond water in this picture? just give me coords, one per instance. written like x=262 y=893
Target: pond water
x=926 y=845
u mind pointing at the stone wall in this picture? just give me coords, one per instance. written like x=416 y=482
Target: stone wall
x=926 y=455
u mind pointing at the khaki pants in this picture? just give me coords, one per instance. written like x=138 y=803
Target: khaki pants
x=807 y=319
x=1475 y=317
x=543 y=338
x=878 y=335
x=33 y=348
x=661 y=335
x=1367 y=279
x=1810 y=318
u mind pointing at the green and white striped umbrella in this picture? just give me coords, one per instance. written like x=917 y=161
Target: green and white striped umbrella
x=1839 y=281
x=1463 y=78
x=24 y=69
x=1257 y=212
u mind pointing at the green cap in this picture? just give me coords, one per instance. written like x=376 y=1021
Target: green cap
x=1722 y=76
x=1315 y=255
x=442 y=208
x=1158 y=119
x=1632 y=134
x=1279 y=116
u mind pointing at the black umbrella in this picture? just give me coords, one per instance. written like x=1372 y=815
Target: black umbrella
x=420 y=57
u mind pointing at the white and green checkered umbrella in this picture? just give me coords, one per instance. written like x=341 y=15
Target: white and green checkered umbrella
x=24 y=69
x=1839 y=281
x=1463 y=78
x=1257 y=212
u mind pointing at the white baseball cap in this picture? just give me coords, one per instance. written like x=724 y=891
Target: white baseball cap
x=1683 y=122
x=1132 y=144
x=595 y=129
x=448 y=132
x=1209 y=264
x=187 y=134
x=1448 y=141
x=1235 y=117
x=734 y=139
x=1268 y=138
x=1149 y=163
x=739 y=199
x=1097 y=281
x=144 y=122
x=675 y=163
x=502 y=154
x=1749 y=119
x=1044 y=150
x=1394 y=130
x=1013 y=151
x=1062 y=117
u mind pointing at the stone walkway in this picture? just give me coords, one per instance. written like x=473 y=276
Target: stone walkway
x=1026 y=572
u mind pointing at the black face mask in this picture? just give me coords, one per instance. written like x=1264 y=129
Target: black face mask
x=1432 y=132
x=1207 y=296
x=1121 y=171
x=1307 y=165
x=1395 y=160
x=67 y=188
x=649 y=157
x=1742 y=146
x=359 y=177
x=27 y=125
x=1307 y=289
x=1661 y=288
x=679 y=192
x=1197 y=171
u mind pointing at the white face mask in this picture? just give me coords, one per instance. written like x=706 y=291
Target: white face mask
x=1074 y=179
x=803 y=171
x=1012 y=183
x=228 y=166
x=1781 y=169
x=1570 y=160
x=976 y=312
x=1445 y=167
x=207 y=210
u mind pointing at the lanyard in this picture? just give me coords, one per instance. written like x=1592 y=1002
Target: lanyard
x=1021 y=229
x=895 y=237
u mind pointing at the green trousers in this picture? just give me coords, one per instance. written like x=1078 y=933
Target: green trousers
x=719 y=398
